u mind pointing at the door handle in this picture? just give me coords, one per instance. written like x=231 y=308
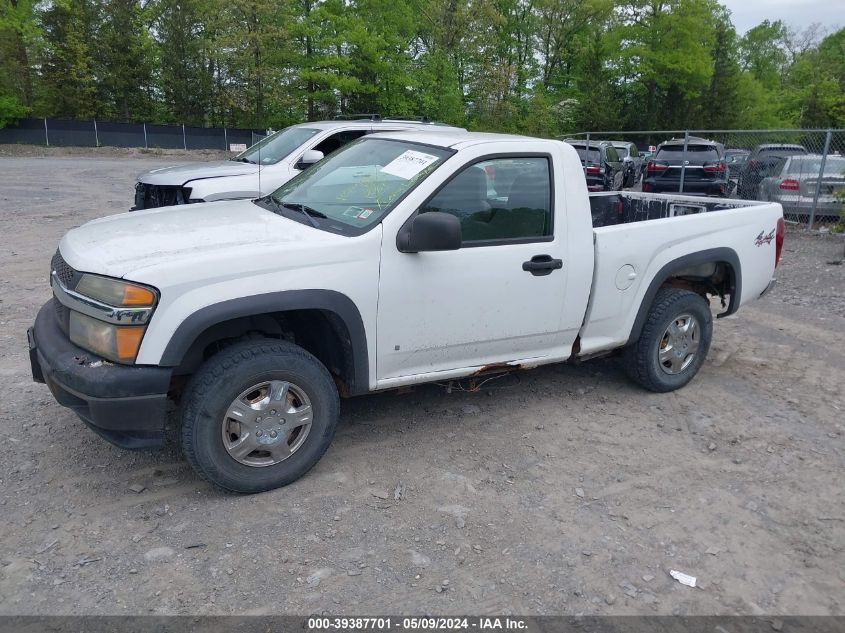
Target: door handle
x=540 y=265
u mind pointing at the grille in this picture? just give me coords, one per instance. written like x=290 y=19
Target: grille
x=65 y=273
x=153 y=196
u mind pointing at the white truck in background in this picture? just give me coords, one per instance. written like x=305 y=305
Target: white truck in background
x=400 y=259
x=266 y=165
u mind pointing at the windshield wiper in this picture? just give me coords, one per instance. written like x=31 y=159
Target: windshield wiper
x=304 y=209
x=242 y=159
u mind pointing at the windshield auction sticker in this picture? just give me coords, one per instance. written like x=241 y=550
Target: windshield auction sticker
x=408 y=164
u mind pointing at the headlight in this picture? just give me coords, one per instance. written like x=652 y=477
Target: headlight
x=119 y=343
x=115 y=292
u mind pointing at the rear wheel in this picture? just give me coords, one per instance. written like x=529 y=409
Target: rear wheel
x=673 y=343
x=258 y=416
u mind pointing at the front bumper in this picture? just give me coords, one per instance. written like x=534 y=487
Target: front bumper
x=126 y=405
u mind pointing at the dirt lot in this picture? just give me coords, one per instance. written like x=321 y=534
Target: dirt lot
x=561 y=490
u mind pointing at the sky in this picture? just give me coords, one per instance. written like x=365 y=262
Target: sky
x=797 y=14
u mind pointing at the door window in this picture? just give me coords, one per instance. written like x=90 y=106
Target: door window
x=499 y=199
x=336 y=141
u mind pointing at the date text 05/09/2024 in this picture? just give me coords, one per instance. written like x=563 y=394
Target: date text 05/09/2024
x=425 y=623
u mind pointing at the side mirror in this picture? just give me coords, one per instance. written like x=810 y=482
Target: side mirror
x=310 y=157
x=432 y=231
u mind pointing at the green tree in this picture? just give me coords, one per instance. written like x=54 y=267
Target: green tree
x=70 y=84
x=763 y=52
x=18 y=31
x=816 y=84
x=664 y=50
x=186 y=69
x=126 y=55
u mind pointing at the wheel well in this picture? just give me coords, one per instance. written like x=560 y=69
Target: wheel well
x=716 y=271
x=321 y=332
x=715 y=278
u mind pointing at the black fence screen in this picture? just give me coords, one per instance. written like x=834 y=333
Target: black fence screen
x=64 y=133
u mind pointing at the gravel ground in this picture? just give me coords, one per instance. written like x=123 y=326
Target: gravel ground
x=561 y=490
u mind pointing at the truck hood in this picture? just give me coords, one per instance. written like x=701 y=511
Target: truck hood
x=212 y=235
x=177 y=175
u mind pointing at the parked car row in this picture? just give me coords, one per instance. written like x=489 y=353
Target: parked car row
x=692 y=166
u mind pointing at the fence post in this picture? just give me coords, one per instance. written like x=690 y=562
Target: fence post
x=46 y=136
x=684 y=160
x=96 y=135
x=819 y=181
x=225 y=140
x=145 y=137
x=184 y=139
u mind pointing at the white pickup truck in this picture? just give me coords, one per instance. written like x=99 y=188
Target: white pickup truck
x=400 y=259
x=264 y=167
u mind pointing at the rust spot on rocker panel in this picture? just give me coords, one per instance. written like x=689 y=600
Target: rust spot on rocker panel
x=498 y=368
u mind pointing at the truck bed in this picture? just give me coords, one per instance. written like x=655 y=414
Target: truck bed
x=636 y=234
x=612 y=208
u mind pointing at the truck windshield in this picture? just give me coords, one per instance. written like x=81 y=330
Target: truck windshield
x=271 y=150
x=352 y=189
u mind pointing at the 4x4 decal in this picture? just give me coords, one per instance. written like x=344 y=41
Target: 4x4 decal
x=764 y=239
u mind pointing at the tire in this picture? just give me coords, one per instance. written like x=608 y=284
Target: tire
x=226 y=379
x=652 y=361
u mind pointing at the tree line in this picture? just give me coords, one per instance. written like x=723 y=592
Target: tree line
x=540 y=67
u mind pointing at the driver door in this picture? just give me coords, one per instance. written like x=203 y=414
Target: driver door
x=480 y=304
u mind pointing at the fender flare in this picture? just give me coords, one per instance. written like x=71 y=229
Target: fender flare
x=723 y=254
x=329 y=300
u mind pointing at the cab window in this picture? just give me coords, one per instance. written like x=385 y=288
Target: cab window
x=499 y=199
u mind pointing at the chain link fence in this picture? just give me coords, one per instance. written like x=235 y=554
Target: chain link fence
x=803 y=170
x=65 y=133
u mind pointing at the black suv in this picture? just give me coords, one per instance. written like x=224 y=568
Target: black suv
x=759 y=165
x=603 y=168
x=704 y=169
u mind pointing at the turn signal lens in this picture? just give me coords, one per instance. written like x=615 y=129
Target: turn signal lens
x=137 y=296
x=115 y=292
x=128 y=341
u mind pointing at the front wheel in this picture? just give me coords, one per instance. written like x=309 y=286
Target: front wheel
x=673 y=343
x=258 y=415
